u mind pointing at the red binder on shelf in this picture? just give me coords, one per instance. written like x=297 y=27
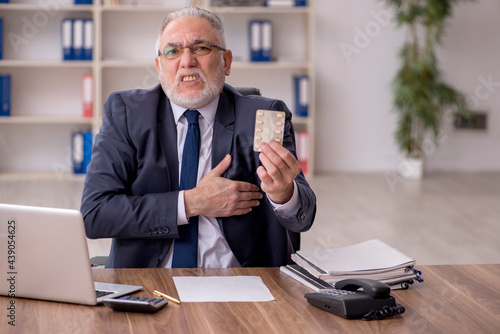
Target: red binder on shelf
x=302 y=146
x=87 y=95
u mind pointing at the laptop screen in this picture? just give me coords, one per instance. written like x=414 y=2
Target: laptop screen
x=43 y=252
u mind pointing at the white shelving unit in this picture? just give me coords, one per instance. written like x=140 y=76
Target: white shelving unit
x=46 y=91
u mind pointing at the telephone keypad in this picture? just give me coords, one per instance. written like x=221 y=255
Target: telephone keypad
x=336 y=292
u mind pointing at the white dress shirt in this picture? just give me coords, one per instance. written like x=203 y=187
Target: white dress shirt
x=213 y=250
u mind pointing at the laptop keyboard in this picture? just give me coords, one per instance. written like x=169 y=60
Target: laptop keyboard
x=102 y=293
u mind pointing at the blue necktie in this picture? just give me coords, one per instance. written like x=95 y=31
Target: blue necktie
x=186 y=247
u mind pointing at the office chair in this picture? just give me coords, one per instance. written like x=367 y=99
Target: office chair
x=248 y=91
x=100 y=261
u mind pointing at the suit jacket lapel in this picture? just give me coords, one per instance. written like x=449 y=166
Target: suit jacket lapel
x=223 y=129
x=222 y=136
x=167 y=133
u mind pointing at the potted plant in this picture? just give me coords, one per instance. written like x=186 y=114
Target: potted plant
x=420 y=96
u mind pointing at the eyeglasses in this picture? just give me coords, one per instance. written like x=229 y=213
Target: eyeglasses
x=198 y=49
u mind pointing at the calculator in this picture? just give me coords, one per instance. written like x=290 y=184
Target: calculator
x=136 y=304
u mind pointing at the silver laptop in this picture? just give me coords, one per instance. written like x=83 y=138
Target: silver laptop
x=44 y=255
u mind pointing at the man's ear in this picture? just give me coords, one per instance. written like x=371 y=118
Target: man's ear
x=158 y=66
x=228 y=60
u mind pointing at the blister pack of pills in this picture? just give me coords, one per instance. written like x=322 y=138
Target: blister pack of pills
x=269 y=125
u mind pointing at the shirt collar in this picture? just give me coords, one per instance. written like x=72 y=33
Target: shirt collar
x=208 y=111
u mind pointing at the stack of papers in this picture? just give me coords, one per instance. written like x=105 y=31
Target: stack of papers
x=373 y=259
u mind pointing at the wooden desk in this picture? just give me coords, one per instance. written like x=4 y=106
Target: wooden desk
x=453 y=299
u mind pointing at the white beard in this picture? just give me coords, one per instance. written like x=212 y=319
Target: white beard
x=207 y=95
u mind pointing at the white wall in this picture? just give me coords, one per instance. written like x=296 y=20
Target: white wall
x=356 y=59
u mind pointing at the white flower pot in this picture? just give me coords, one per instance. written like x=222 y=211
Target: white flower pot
x=411 y=168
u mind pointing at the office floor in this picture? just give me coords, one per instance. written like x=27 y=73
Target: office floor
x=448 y=218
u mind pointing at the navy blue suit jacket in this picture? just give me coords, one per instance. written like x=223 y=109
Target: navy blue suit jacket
x=132 y=182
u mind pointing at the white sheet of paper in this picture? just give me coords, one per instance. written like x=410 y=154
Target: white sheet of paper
x=222 y=289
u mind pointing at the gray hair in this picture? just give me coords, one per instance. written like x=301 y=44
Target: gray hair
x=194 y=11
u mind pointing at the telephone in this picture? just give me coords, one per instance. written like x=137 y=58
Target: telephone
x=374 y=302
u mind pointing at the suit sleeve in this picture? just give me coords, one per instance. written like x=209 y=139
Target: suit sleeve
x=304 y=217
x=109 y=206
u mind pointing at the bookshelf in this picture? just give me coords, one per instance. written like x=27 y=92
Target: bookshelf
x=35 y=141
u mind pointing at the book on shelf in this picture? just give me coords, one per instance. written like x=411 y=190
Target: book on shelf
x=373 y=259
x=261 y=40
x=77 y=38
x=5 y=94
x=81 y=151
x=83 y=2
x=87 y=95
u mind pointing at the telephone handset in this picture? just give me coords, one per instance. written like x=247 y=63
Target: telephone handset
x=374 y=302
x=370 y=287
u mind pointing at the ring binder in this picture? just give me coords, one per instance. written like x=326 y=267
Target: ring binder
x=77 y=38
x=261 y=43
x=5 y=92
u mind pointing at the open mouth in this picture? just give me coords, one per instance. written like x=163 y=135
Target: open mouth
x=189 y=78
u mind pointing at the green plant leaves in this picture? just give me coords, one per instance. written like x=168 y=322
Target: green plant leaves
x=420 y=96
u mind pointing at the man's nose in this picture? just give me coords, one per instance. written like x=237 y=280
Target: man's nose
x=188 y=59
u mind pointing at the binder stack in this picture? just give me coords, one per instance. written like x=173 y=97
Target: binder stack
x=77 y=39
x=261 y=41
x=81 y=149
x=373 y=259
x=5 y=94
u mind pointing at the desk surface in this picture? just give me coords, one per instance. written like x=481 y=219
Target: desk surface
x=453 y=299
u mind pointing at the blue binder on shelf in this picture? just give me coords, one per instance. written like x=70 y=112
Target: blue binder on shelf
x=81 y=151
x=301 y=95
x=67 y=38
x=78 y=39
x=88 y=39
x=83 y=2
x=261 y=40
x=280 y=3
x=5 y=89
x=286 y=3
x=1 y=37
